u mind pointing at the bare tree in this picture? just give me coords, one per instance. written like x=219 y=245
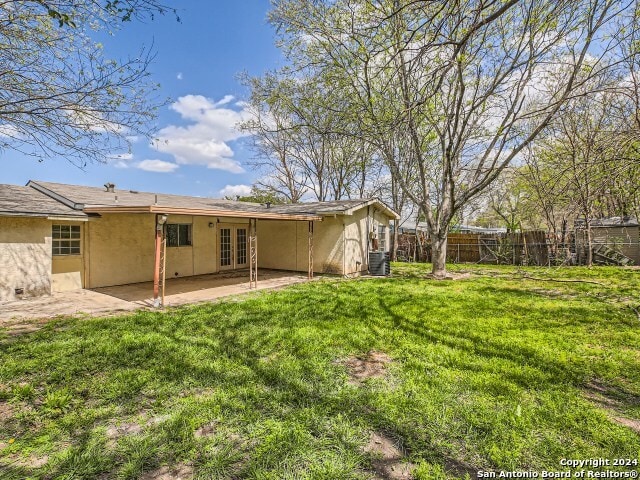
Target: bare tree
x=272 y=136
x=582 y=150
x=467 y=80
x=299 y=144
x=59 y=94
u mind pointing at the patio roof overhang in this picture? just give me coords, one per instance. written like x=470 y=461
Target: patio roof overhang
x=199 y=211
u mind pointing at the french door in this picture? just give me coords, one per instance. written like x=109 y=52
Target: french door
x=233 y=246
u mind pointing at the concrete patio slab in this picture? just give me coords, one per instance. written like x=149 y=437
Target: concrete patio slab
x=122 y=298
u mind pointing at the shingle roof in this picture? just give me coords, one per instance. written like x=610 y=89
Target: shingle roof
x=329 y=207
x=82 y=196
x=28 y=202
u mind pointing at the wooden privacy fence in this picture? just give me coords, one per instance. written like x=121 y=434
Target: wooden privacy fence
x=463 y=247
x=523 y=248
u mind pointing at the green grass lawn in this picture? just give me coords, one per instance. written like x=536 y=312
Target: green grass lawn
x=494 y=371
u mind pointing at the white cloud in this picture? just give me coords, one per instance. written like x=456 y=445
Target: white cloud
x=226 y=99
x=179 y=76
x=156 y=166
x=9 y=131
x=233 y=190
x=205 y=141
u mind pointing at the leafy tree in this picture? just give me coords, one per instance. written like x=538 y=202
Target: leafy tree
x=60 y=95
x=472 y=84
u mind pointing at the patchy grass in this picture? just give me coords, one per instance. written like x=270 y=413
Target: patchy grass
x=495 y=371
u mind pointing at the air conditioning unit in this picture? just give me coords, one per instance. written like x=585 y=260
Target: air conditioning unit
x=379 y=264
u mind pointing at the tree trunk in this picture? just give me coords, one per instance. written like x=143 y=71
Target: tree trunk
x=589 y=251
x=394 y=249
x=439 y=255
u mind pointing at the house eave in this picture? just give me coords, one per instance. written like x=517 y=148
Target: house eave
x=198 y=212
x=48 y=216
x=378 y=203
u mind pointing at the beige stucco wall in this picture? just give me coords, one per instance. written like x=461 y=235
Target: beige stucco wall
x=339 y=243
x=120 y=249
x=25 y=257
x=66 y=273
x=283 y=245
x=277 y=241
x=357 y=242
x=328 y=245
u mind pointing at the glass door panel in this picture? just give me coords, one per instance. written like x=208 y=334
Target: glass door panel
x=241 y=247
x=226 y=250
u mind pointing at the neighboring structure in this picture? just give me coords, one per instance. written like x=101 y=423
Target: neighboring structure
x=617 y=234
x=56 y=237
x=410 y=226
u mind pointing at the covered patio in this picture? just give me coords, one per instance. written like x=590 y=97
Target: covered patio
x=135 y=296
x=233 y=247
x=202 y=288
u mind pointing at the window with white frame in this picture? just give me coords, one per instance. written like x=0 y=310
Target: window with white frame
x=65 y=239
x=178 y=234
x=382 y=238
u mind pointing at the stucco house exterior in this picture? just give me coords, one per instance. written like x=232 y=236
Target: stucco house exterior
x=57 y=237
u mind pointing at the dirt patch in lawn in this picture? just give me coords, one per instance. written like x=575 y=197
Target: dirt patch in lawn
x=206 y=430
x=629 y=422
x=388 y=460
x=372 y=365
x=6 y=410
x=32 y=461
x=114 y=432
x=449 y=276
x=157 y=419
x=613 y=400
x=176 y=472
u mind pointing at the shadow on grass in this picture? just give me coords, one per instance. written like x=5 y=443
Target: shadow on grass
x=273 y=357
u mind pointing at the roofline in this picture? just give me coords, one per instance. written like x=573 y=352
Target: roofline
x=198 y=212
x=56 y=196
x=367 y=203
x=48 y=216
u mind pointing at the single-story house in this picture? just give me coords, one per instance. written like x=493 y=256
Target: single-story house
x=56 y=237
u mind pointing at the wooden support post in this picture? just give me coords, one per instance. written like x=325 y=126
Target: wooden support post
x=158 y=261
x=163 y=266
x=310 y=273
x=253 y=253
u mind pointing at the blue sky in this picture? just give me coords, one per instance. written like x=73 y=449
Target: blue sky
x=197 y=63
